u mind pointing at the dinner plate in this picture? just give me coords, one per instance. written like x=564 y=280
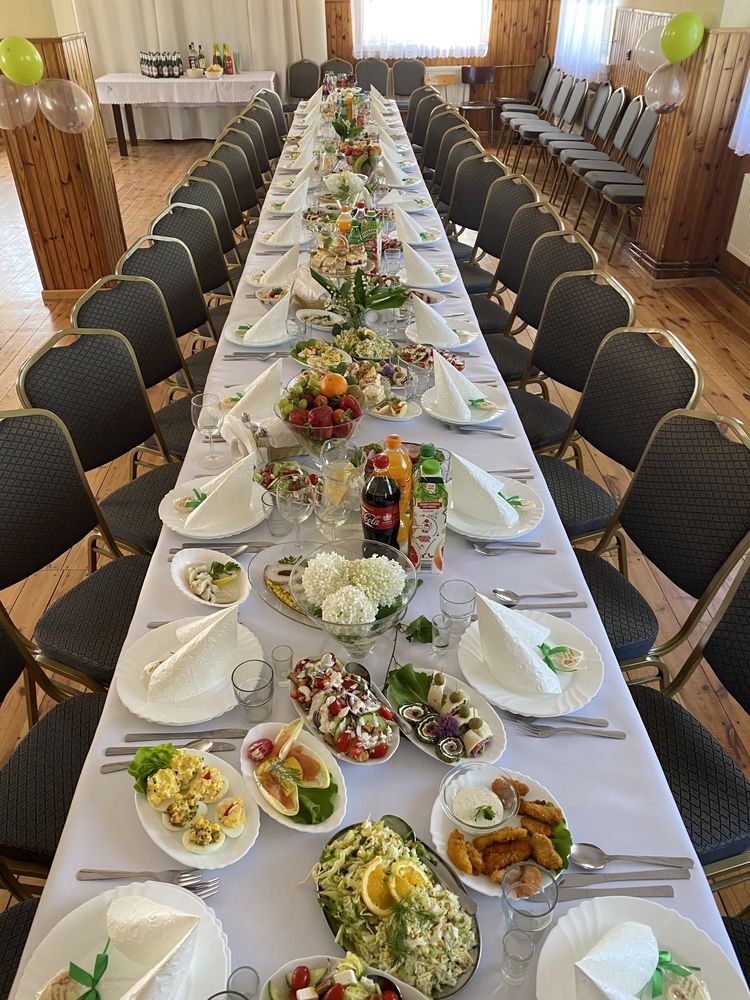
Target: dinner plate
x=285 y=184
x=465 y=337
x=255 y=277
x=487 y=713
x=255 y=574
x=279 y=978
x=263 y=240
x=305 y=314
x=584 y=925
x=230 y=851
x=236 y=336
x=262 y=293
x=446 y=274
x=237 y=590
x=432 y=236
x=435 y=298
x=495 y=395
x=243 y=520
x=528 y=518
x=79 y=935
x=270 y=730
x=413 y=409
x=441 y=827
x=414 y=206
x=578 y=687
x=156 y=644
x=405 y=183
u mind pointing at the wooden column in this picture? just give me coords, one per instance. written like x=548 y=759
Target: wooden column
x=65 y=185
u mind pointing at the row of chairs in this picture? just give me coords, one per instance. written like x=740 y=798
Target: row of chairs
x=404 y=76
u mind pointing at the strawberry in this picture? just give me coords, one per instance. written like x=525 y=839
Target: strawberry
x=342 y=425
x=299 y=417
x=350 y=403
x=321 y=416
x=320 y=401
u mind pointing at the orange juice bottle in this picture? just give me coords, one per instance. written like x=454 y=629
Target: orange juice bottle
x=344 y=221
x=399 y=468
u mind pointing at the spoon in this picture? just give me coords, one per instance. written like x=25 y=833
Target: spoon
x=510 y=598
x=360 y=670
x=592 y=858
x=203 y=746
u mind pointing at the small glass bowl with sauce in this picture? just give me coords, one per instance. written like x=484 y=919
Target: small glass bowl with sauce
x=472 y=804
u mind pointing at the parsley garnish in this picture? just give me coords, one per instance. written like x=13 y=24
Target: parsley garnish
x=91 y=979
x=484 y=812
x=218 y=570
x=514 y=501
x=192 y=503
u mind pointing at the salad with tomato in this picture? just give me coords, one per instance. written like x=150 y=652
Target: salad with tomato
x=342 y=707
x=343 y=979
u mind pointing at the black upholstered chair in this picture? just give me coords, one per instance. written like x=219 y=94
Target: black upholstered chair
x=474 y=178
x=567 y=145
x=630 y=363
x=414 y=100
x=276 y=105
x=94 y=386
x=47 y=508
x=426 y=106
x=263 y=116
x=15 y=924
x=515 y=112
x=341 y=67
x=234 y=158
x=372 y=72
x=197 y=230
x=687 y=509
x=441 y=121
x=525 y=130
x=530 y=133
x=459 y=152
x=218 y=174
x=552 y=140
x=302 y=80
x=205 y=194
x=254 y=133
x=738 y=929
x=407 y=76
x=453 y=136
x=624 y=190
x=536 y=82
x=480 y=76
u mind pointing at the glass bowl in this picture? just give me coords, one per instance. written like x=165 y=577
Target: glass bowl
x=312 y=439
x=477 y=775
x=357 y=639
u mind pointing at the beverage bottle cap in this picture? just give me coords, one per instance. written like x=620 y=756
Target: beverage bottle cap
x=393 y=441
x=427 y=450
x=381 y=461
x=430 y=467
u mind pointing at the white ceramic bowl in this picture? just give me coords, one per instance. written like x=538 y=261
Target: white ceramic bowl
x=238 y=590
x=194 y=74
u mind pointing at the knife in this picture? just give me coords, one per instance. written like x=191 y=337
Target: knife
x=578 y=879
x=120 y=751
x=206 y=734
x=123 y=765
x=566 y=895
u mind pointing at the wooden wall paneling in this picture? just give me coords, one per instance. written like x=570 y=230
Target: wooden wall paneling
x=629 y=25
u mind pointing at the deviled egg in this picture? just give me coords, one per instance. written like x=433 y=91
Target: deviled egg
x=186 y=766
x=203 y=837
x=231 y=816
x=161 y=788
x=181 y=811
x=209 y=785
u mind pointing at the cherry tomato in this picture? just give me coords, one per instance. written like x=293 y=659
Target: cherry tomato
x=294 y=693
x=319 y=683
x=390 y=995
x=379 y=751
x=335 y=707
x=336 y=992
x=300 y=978
x=259 y=750
x=343 y=742
x=386 y=712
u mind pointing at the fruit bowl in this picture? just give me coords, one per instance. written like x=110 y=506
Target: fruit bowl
x=340 y=408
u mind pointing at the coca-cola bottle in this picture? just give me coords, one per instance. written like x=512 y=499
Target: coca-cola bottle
x=380 y=504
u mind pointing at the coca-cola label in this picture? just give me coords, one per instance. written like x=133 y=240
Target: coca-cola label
x=379 y=518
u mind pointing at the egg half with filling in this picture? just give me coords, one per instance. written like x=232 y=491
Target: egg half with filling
x=186 y=766
x=203 y=837
x=210 y=785
x=231 y=816
x=181 y=812
x=161 y=788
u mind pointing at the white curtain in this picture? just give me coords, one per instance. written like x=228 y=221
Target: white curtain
x=583 y=37
x=740 y=138
x=394 y=29
x=268 y=34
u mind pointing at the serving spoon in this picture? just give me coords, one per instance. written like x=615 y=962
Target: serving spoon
x=592 y=858
x=360 y=670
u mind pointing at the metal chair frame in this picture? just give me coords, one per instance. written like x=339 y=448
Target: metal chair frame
x=274 y=102
x=456 y=227
x=448 y=111
x=226 y=188
x=555 y=119
x=228 y=241
x=425 y=109
x=588 y=132
x=244 y=186
x=254 y=133
x=414 y=99
x=394 y=74
x=547 y=96
x=291 y=93
x=453 y=136
x=447 y=179
x=565 y=122
x=604 y=134
x=220 y=262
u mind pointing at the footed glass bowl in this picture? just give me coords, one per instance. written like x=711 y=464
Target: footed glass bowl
x=312 y=439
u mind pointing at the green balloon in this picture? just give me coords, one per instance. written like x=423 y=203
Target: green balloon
x=20 y=61
x=682 y=36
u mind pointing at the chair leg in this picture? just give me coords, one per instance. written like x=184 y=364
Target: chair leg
x=525 y=170
x=618 y=233
x=572 y=181
x=585 y=198
x=539 y=159
x=622 y=554
x=32 y=705
x=514 y=168
x=598 y=221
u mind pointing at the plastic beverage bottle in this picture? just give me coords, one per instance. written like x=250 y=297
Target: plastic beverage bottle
x=380 y=504
x=399 y=467
x=344 y=221
x=429 y=518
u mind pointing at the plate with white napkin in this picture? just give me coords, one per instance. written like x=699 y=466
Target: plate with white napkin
x=292 y=232
x=499 y=655
x=196 y=657
x=279 y=273
x=231 y=504
x=409 y=232
x=418 y=273
x=395 y=176
x=429 y=327
x=454 y=399
x=409 y=203
x=183 y=938
x=293 y=202
x=256 y=404
x=268 y=330
x=483 y=506
x=595 y=936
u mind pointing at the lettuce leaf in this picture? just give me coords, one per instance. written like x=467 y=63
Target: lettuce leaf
x=316 y=804
x=562 y=840
x=407 y=685
x=149 y=760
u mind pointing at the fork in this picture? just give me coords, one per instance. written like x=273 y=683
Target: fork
x=462 y=429
x=188 y=878
x=543 y=732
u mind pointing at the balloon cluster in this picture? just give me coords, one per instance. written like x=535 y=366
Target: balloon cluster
x=22 y=91
x=659 y=51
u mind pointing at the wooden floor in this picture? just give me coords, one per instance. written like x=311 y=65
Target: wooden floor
x=712 y=322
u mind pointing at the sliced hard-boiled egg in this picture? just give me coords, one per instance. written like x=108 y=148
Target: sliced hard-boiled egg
x=231 y=816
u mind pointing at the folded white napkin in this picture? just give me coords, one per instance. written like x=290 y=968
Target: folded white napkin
x=270 y=328
x=306 y=174
x=305 y=157
x=290 y=232
x=281 y=272
x=226 y=494
x=476 y=494
x=388 y=145
x=418 y=272
x=619 y=965
x=448 y=400
x=509 y=648
x=297 y=199
x=406 y=229
x=393 y=198
x=393 y=175
x=375 y=95
x=465 y=388
x=258 y=402
x=431 y=328
x=200 y=663
x=308 y=293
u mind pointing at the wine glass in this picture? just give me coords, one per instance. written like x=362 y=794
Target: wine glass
x=208 y=416
x=296 y=506
x=331 y=511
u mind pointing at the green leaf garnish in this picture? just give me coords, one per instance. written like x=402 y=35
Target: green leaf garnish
x=149 y=760
x=420 y=629
x=219 y=570
x=315 y=804
x=484 y=812
x=548 y=652
x=407 y=685
x=514 y=501
x=89 y=979
x=562 y=840
x=196 y=501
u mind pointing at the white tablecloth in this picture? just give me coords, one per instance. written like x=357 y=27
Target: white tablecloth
x=133 y=88
x=614 y=793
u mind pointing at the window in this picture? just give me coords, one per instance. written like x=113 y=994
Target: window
x=393 y=29
x=740 y=138
x=583 y=38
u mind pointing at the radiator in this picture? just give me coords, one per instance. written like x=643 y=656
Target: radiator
x=739 y=238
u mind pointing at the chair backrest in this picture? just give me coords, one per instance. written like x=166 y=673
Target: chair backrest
x=627 y=124
x=474 y=178
x=687 y=507
x=462 y=150
x=168 y=263
x=337 y=66
x=638 y=375
x=414 y=99
x=205 y=194
x=552 y=254
x=642 y=135
x=302 y=79
x=274 y=102
x=234 y=159
x=648 y=156
x=441 y=119
x=372 y=71
x=538 y=76
x=241 y=137
x=726 y=640
x=197 y=230
x=252 y=129
x=504 y=198
x=47 y=504
x=213 y=170
x=407 y=75
x=454 y=135
x=527 y=225
x=134 y=307
x=562 y=96
x=550 y=88
x=575 y=102
x=421 y=120
x=12 y=663
x=262 y=114
x=611 y=114
x=94 y=385
x=477 y=76
x=596 y=109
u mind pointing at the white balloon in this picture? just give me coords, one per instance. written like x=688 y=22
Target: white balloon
x=18 y=104
x=647 y=52
x=65 y=105
x=666 y=89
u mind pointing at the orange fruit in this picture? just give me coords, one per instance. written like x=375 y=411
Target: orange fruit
x=375 y=892
x=333 y=384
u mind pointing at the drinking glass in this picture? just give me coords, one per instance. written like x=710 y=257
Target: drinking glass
x=227 y=995
x=518 y=950
x=245 y=981
x=331 y=510
x=529 y=897
x=281 y=657
x=441 y=632
x=457 y=600
x=252 y=681
x=296 y=507
x=208 y=416
x=278 y=525
x=392 y=260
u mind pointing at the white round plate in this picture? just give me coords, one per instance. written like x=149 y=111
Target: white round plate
x=415 y=205
x=436 y=298
x=405 y=182
x=230 y=851
x=413 y=409
x=276 y=208
x=488 y=714
x=285 y=184
x=235 y=336
x=578 y=687
x=305 y=314
x=263 y=240
x=247 y=518
x=432 y=236
x=159 y=642
x=80 y=934
x=408 y=165
x=493 y=393
x=528 y=518
x=270 y=730
x=446 y=274
x=238 y=590
x=319 y=961
x=441 y=827
x=255 y=277
x=465 y=337
x=305 y=364
x=584 y=925
x=340 y=756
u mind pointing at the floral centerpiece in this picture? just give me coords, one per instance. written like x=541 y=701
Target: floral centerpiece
x=361 y=293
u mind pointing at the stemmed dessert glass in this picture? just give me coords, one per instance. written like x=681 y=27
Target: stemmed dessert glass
x=296 y=505
x=208 y=416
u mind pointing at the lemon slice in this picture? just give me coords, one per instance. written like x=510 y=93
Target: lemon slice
x=224 y=581
x=405 y=876
x=375 y=892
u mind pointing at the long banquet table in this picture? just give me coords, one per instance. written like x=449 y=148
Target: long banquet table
x=613 y=792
